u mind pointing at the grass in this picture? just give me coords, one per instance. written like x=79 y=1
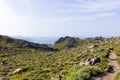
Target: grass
x=43 y=65
x=84 y=73
x=117 y=76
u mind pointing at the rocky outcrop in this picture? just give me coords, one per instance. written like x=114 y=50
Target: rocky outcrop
x=90 y=61
x=66 y=42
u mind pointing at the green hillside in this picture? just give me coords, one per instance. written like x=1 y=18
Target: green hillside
x=67 y=42
x=36 y=63
x=9 y=42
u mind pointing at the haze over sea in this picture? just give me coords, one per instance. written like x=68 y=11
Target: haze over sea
x=51 y=18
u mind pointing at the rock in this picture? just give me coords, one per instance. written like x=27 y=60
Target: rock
x=97 y=59
x=93 y=60
x=56 y=78
x=19 y=70
x=84 y=63
x=110 y=69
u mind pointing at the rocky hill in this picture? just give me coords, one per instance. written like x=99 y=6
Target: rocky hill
x=9 y=42
x=72 y=42
x=66 y=42
x=77 y=59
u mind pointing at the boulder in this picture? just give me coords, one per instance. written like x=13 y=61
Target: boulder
x=91 y=61
x=110 y=69
x=97 y=59
x=94 y=60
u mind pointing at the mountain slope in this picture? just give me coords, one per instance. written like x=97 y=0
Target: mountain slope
x=18 y=43
x=66 y=42
x=35 y=64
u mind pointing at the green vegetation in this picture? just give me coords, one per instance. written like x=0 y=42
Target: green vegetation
x=85 y=73
x=66 y=42
x=48 y=64
x=117 y=76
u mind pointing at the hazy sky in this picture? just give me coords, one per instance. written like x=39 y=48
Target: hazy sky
x=50 y=18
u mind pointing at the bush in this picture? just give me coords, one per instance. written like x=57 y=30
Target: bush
x=85 y=73
x=117 y=77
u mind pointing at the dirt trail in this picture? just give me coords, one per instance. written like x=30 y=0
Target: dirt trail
x=110 y=76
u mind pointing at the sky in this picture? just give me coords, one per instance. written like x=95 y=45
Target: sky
x=51 y=18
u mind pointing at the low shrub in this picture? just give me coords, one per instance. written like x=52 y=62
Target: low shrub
x=117 y=77
x=85 y=73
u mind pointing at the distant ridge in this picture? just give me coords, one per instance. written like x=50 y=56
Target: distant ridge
x=37 y=39
x=19 y=43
